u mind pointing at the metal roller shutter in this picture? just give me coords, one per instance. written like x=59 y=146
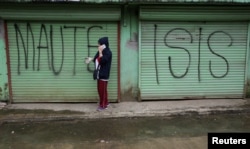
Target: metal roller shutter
x=47 y=60
x=195 y=13
x=73 y=12
x=182 y=60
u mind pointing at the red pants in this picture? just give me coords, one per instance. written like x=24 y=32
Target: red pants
x=103 y=94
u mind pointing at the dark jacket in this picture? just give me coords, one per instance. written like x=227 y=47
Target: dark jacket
x=106 y=59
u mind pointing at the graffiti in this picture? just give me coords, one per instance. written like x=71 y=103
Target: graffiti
x=156 y=68
x=75 y=30
x=52 y=51
x=46 y=42
x=91 y=46
x=39 y=47
x=188 y=36
x=176 y=47
x=211 y=50
x=18 y=49
x=199 y=56
x=29 y=30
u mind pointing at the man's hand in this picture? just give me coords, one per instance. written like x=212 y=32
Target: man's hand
x=100 y=49
x=88 y=60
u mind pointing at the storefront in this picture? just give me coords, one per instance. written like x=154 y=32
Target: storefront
x=46 y=50
x=161 y=50
x=193 y=52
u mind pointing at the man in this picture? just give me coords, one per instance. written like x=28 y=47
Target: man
x=102 y=60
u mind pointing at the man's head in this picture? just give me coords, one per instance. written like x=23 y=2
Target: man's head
x=103 y=40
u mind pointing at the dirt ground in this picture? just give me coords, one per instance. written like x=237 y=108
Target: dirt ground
x=177 y=132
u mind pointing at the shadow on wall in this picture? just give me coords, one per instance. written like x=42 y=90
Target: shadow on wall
x=133 y=43
x=129 y=95
x=1 y=93
x=248 y=89
x=4 y=92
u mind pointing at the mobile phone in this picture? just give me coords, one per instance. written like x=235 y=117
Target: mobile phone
x=103 y=46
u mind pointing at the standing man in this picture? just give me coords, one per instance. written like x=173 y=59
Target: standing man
x=102 y=60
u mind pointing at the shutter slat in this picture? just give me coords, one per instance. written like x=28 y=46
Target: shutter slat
x=72 y=84
x=227 y=57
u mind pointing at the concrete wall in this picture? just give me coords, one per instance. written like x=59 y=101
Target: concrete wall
x=3 y=66
x=129 y=53
x=247 y=83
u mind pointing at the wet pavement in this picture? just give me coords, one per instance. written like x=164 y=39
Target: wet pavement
x=126 y=125
x=163 y=132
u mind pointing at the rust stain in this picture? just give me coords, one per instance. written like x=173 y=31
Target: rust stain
x=247 y=89
x=1 y=29
x=5 y=92
x=133 y=43
x=1 y=94
x=128 y=95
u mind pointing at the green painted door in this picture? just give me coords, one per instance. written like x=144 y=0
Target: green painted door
x=47 y=60
x=188 y=60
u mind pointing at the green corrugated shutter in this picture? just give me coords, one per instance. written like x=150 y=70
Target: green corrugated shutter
x=60 y=12
x=207 y=60
x=195 y=13
x=58 y=74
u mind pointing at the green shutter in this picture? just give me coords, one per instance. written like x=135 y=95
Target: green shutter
x=60 y=12
x=58 y=78
x=195 y=13
x=207 y=60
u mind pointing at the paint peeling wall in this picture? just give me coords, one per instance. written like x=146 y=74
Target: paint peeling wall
x=3 y=66
x=129 y=53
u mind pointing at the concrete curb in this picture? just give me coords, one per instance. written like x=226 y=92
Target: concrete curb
x=2 y=105
x=149 y=111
